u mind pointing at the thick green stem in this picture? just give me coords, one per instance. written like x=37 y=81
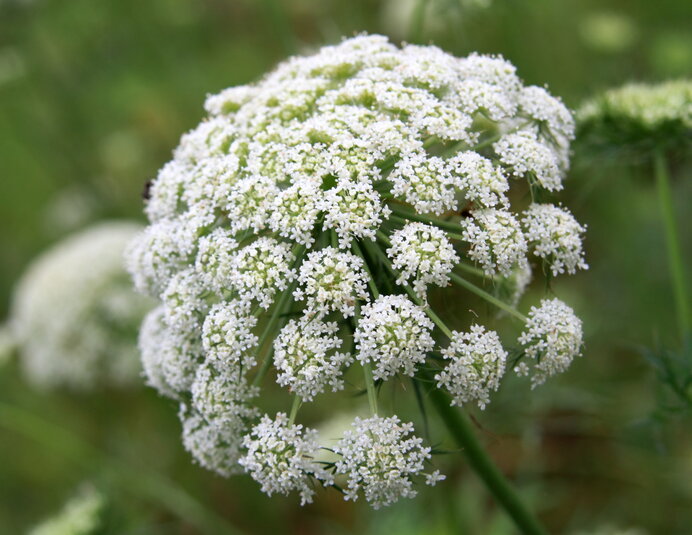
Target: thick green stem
x=675 y=262
x=461 y=429
x=138 y=480
x=456 y=279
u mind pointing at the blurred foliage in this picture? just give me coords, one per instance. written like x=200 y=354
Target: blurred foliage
x=93 y=97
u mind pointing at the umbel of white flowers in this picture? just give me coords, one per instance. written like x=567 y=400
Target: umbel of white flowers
x=639 y=116
x=74 y=315
x=299 y=228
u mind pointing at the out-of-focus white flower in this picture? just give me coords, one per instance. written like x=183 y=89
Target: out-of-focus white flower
x=74 y=315
x=639 y=116
x=81 y=515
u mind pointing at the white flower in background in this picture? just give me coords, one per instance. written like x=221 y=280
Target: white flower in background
x=380 y=457
x=74 y=315
x=477 y=363
x=650 y=107
x=287 y=223
x=555 y=235
x=423 y=253
x=83 y=514
x=280 y=457
x=511 y=288
x=497 y=242
x=305 y=356
x=222 y=395
x=394 y=334
x=552 y=338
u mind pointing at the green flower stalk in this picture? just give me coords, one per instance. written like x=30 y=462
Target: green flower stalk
x=648 y=122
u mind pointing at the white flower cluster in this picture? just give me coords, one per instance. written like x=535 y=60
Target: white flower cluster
x=551 y=339
x=304 y=354
x=423 y=253
x=648 y=106
x=380 y=458
x=497 y=242
x=477 y=365
x=74 y=315
x=394 y=334
x=280 y=457
x=291 y=222
x=555 y=235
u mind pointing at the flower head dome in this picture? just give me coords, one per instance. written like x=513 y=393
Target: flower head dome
x=74 y=315
x=298 y=230
x=638 y=117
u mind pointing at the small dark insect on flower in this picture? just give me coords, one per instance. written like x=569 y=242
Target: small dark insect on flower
x=146 y=190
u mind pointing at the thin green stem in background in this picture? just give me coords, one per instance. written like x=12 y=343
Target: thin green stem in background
x=675 y=262
x=460 y=281
x=418 y=21
x=461 y=429
x=138 y=480
x=281 y=24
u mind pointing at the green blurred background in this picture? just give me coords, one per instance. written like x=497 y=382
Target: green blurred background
x=94 y=95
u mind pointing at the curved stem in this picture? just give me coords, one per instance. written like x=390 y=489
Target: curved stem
x=461 y=429
x=675 y=262
x=456 y=279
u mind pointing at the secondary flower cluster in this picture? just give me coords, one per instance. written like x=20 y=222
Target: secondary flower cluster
x=301 y=227
x=639 y=116
x=74 y=314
